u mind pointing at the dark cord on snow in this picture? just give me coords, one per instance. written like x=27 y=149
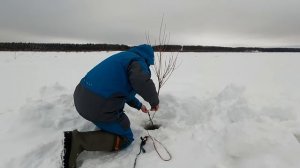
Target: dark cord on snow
x=143 y=143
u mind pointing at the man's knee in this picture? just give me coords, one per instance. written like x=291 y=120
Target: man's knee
x=116 y=128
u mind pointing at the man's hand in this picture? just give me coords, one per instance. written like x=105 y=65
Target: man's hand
x=144 y=109
x=154 y=108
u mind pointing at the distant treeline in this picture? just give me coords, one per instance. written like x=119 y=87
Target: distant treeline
x=57 y=47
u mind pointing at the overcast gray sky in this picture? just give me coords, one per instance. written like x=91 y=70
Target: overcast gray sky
x=189 y=22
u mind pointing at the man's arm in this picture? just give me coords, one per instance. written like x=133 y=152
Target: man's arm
x=134 y=102
x=140 y=79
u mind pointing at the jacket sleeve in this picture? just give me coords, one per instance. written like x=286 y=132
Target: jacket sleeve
x=134 y=102
x=140 y=79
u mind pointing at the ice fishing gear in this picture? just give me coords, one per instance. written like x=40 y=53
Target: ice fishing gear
x=142 y=149
x=150 y=119
x=143 y=143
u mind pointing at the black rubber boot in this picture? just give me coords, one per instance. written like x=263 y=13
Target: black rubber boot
x=67 y=149
x=75 y=142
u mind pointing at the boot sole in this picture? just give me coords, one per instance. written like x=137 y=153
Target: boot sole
x=67 y=148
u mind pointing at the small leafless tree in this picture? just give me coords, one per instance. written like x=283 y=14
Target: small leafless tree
x=165 y=62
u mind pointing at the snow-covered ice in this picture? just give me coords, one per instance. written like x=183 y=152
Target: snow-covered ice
x=219 y=110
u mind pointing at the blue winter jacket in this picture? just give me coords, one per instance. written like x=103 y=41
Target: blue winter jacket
x=116 y=80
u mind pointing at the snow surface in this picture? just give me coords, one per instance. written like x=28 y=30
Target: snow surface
x=219 y=110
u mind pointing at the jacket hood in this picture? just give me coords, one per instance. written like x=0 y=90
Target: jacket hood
x=145 y=51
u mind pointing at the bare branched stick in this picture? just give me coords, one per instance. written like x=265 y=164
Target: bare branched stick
x=164 y=68
x=165 y=64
